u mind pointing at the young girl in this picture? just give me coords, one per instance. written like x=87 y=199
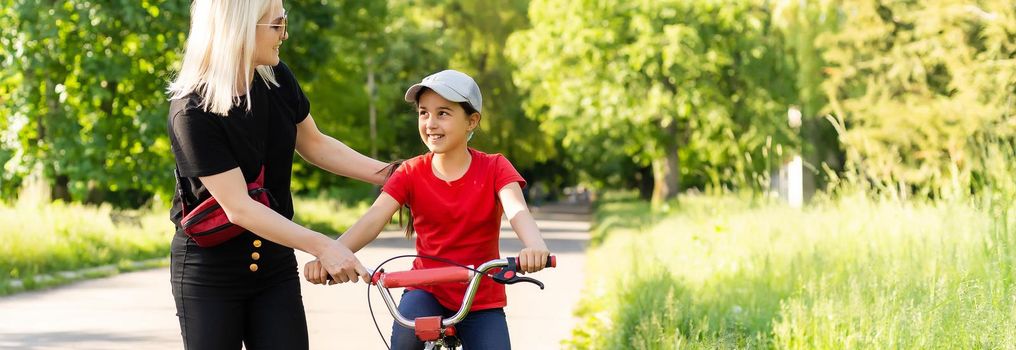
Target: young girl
x=457 y=195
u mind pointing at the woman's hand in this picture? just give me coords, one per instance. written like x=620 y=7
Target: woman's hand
x=340 y=263
x=533 y=259
x=362 y=232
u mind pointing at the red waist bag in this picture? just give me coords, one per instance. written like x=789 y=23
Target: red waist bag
x=207 y=223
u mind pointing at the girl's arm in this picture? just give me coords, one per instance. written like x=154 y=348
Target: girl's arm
x=370 y=225
x=357 y=236
x=330 y=154
x=533 y=257
x=229 y=190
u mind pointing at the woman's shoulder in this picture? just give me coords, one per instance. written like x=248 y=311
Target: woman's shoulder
x=187 y=107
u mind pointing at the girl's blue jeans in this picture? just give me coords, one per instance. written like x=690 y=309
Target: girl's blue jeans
x=484 y=329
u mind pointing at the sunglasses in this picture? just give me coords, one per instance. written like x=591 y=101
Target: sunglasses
x=281 y=27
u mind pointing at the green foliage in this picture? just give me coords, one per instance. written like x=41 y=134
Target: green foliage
x=848 y=273
x=84 y=102
x=607 y=93
x=917 y=87
x=477 y=32
x=646 y=79
x=398 y=43
x=801 y=22
x=84 y=94
x=326 y=50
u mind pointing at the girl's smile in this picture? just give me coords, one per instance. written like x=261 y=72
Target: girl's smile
x=434 y=138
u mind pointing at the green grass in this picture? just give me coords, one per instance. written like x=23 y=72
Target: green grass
x=721 y=272
x=42 y=239
x=328 y=216
x=39 y=240
x=621 y=213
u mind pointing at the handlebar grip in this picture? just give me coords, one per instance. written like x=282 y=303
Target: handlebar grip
x=551 y=262
x=425 y=277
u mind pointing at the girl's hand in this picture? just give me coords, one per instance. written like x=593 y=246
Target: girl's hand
x=533 y=259
x=315 y=273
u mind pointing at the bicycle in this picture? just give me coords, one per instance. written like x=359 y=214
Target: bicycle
x=437 y=332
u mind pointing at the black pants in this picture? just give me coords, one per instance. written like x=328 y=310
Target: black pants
x=246 y=290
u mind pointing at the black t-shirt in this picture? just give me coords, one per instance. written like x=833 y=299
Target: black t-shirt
x=206 y=144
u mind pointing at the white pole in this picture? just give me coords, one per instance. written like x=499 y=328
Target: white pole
x=795 y=170
x=795 y=185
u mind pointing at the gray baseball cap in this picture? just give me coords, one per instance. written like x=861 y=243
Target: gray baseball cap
x=453 y=85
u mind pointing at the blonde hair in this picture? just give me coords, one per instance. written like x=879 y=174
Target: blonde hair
x=220 y=47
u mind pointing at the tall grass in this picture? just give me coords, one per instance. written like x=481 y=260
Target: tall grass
x=867 y=265
x=854 y=272
x=45 y=238
x=41 y=238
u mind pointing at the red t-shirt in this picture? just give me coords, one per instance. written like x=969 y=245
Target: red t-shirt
x=458 y=220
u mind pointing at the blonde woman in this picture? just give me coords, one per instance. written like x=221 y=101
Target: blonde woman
x=235 y=108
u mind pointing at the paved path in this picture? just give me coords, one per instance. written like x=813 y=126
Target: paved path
x=136 y=311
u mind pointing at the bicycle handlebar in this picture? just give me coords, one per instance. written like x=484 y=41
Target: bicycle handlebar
x=423 y=277
x=415 y=278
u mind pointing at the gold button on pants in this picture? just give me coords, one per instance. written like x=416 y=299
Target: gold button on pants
x=255 y=256
x=257 y=243
x=253 y=267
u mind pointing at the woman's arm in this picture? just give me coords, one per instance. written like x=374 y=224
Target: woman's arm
x=330 y=154
x=533 y=257
x=357 y=236
x=229 y=190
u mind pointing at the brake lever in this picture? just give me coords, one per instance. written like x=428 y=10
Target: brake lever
x=509 y=275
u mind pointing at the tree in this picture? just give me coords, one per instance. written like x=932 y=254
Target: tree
x=84 y=101
x=382 y=40
x=693 y=89
x=477 y=33
x=395 y=44
x=802 y=22
x=84 y=95
x=915 y=85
